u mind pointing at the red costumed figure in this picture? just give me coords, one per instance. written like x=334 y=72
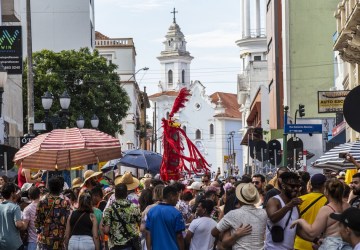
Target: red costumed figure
x=173 y=162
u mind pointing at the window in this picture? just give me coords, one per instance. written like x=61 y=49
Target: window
x=211 y=129
x=183 y=76
x=167 y=115
x=170 y=76
x=257 y=58
x=198 y=134
x=184 y=128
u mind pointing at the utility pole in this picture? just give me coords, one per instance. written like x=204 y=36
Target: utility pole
x=144 y=112
x=155 y=127
x=286 y=109
x=30 y=79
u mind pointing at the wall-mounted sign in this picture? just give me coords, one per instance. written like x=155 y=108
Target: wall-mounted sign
x=11 y=49
x=331 y=101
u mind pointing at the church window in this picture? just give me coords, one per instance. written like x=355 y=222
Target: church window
x=184 y=128
x=211 y=129
x=198 y=134
x=170 y=76
x=257 y=58
x=167 y=115
x=183 y=76
x=169 y=42
x=197 y=106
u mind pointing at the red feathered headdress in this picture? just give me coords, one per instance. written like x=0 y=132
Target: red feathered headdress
x=173 y=158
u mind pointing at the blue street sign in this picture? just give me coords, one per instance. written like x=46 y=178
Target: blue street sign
x=303 y=128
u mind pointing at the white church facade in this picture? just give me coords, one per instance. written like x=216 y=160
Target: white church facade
x=212 y=122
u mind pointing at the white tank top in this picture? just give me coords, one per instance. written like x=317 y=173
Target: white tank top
x=289 y=234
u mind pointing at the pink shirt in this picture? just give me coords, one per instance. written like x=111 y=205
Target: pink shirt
x=29 y=214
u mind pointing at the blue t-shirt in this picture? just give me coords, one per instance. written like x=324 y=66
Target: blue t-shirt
x=9 y=234
x=164 y=221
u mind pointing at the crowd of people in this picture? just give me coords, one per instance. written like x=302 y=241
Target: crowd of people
x=293 y=210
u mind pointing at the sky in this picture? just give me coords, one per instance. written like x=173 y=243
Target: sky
x=211 y=28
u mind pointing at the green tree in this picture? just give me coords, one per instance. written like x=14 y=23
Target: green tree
x=92 y=83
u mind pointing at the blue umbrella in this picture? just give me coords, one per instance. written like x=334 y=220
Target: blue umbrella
x=110 y=165
x=142 y=159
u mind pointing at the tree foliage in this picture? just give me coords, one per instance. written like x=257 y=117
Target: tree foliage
x=92 y=83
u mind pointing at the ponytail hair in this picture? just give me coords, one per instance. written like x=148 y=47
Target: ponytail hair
x=335 y=189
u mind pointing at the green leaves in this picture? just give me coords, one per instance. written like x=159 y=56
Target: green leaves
x=93 y=85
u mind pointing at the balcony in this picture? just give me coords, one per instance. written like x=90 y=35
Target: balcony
x=122 y=42
x=348 y=30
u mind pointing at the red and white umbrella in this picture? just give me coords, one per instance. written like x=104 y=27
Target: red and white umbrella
x=63 y=148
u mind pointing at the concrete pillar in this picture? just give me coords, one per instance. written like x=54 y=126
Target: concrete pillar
x=257 y=18
x=247 y=17
x=242 y=11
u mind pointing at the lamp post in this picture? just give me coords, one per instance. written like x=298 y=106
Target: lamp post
x=133 y=76
x=62 y=117
x=3 y=78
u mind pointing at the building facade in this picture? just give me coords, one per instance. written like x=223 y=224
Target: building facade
x=346 y=47
x=252 y=91
x=121 y=52
x=211 y=121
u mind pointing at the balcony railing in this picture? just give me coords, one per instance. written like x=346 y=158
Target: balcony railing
x=114 y=42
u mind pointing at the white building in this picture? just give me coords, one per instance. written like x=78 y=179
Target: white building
x=60 y=25
x=121 y=52
x=252 y=82
x=211 y=122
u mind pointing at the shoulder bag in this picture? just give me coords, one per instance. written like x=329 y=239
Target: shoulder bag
x=277 y=232
x=309 y=206
x=134 y=240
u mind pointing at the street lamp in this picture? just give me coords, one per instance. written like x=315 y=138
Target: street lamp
x=62 y=116
x=145 y=69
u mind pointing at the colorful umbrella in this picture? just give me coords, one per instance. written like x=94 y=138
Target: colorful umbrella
x=63 y=148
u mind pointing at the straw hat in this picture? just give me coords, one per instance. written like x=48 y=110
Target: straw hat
x=76 y=182
x=247 y=193
x=90 y=174
x=130 y=181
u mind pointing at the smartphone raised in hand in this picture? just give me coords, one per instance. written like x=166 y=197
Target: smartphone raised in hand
x=342 y=155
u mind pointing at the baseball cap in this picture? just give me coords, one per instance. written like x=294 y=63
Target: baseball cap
x=26 y=186
x=350 y=218
x=318 y=179
x=195 y=185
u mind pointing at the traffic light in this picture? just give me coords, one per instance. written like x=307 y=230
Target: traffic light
x=301 y=110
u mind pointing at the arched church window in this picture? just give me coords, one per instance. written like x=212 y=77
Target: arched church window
x=167 y=115
x=169 y=42
x=184 y=128
x=170 y=76
x=198 y=134
x=183 y=76
x=211 y=129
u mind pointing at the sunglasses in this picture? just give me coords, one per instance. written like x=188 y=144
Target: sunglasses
x=256 y=182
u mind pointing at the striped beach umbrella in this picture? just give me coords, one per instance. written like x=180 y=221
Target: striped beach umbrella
x=64 y=148
x=331 y=161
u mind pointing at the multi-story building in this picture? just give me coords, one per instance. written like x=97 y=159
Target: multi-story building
x=347 y=47
x=299 y=64
x=60 y=25
x=252 y=82
x=121 y=52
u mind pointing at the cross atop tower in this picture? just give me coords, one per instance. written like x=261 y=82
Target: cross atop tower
x=174 y=12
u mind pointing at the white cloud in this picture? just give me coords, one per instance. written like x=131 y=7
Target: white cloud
x=137 y=5
x=213 y=39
